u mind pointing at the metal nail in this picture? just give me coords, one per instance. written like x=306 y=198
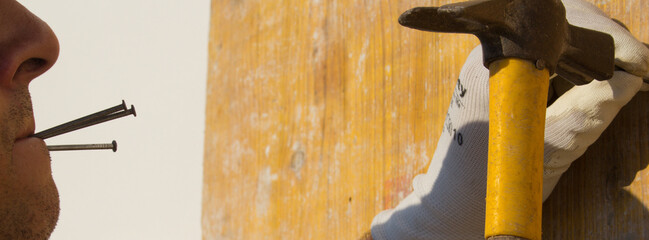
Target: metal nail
x=112 y=146
x=49 y=132
x=91 y=122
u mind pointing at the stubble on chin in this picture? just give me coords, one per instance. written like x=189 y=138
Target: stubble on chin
x=29 y=215
x=28 y=209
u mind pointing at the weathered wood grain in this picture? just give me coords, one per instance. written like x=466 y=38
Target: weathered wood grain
x=320 y=113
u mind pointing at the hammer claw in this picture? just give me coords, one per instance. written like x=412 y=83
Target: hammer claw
x=434 y=19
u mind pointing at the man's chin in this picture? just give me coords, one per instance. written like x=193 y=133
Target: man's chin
x=29 y=215
x=28 y=195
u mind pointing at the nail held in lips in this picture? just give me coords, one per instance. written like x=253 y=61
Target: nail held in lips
x=102 y=146
x=108 y=114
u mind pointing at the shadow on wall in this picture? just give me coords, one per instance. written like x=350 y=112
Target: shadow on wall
x=453 y=208
x=604 y=193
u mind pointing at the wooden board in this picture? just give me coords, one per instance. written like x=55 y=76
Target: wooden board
x=320 y=113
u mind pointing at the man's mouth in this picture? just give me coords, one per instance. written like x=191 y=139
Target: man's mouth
x=27 y=130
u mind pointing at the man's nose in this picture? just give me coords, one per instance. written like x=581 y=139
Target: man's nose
x=28 y=47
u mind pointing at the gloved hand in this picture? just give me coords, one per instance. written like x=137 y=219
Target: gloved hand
x=448 y=202
x=592 y=107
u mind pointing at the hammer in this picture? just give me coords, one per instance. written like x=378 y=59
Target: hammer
x=524 y=42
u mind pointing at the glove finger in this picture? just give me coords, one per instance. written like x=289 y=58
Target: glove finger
x=577 y=118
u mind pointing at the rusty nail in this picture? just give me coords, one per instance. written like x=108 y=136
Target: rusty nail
x=112 y=146
x=91 y=122
x=48 y=132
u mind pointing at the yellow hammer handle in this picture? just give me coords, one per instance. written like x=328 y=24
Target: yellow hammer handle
x=517 y=104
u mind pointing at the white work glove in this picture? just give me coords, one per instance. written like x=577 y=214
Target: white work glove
x=448 y=202
x=575 y=120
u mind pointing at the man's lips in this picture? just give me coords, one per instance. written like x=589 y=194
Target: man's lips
x=31 y=159
x=27 y=130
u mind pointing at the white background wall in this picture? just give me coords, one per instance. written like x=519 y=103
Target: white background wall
x=153 y=54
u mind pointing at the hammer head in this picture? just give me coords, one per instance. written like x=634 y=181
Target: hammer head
x=535 y=30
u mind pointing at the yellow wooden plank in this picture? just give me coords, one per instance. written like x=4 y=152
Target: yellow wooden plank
x=320 y=113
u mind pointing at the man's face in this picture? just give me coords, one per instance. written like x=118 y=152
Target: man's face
x=29 y=205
